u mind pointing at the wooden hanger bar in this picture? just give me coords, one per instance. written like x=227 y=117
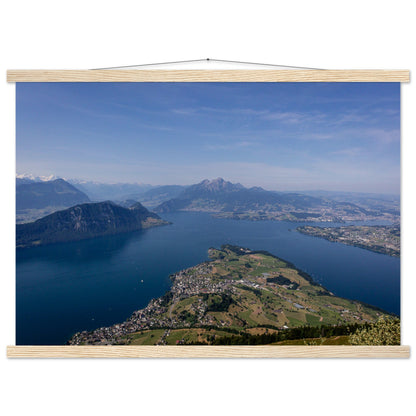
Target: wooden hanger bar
x=209 y=351
x=356 y=75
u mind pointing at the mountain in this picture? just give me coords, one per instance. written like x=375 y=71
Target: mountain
x=98 y=191
x=156 y=196
x=23 y=181
x=85 y=221
x=22 y=178
x=221 y=195
x=229 y=200
x=55 y=193
x=216 y=192
x=215 y=186
x=370 y=201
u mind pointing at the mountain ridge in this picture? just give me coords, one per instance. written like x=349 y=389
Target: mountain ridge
x=228 y=200
x=54 y=193
x=100 y=191
x=85 y=221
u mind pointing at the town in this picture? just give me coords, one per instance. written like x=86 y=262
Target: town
x=381 y=239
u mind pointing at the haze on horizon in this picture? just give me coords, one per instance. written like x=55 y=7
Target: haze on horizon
x=285 y=137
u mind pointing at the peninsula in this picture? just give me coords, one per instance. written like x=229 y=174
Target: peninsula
x=239 y=294
x=381 y=239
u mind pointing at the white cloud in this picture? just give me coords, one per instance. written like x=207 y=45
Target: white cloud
x=229 y=146
x=184 y=111
x=285 y=117
x=352 y=151
x=383 y=136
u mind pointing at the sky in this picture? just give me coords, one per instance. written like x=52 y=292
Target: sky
x=281 y=136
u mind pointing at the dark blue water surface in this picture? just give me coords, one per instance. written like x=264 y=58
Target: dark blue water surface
x=65 y=288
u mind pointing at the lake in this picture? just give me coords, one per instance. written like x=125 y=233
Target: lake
x=65 y=288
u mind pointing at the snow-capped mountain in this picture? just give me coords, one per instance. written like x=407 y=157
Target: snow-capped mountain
x=96 y=191
x=25 y=178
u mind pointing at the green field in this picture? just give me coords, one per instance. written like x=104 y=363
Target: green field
x=146 y=337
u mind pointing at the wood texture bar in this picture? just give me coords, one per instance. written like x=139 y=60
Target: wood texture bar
x=208 y=76
x=264 y=351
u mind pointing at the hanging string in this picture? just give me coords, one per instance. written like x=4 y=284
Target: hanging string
x=206 y=60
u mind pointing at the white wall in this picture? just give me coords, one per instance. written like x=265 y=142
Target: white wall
x=47 y=34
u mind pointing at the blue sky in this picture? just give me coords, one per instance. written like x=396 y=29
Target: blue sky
x=282 y=136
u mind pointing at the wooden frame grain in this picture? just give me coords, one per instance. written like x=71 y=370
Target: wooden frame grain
x=208 y=76
x=261 y=351
x=209 y=351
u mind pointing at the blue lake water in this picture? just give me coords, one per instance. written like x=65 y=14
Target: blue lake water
x=65 y=288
